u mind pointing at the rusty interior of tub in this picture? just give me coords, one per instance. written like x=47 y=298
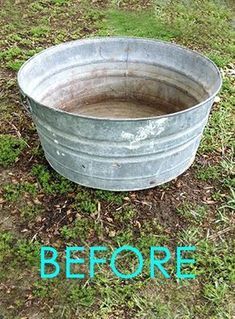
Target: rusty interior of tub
x=120 y=90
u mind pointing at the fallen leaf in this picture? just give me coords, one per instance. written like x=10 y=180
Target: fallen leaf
x=112 y=233
x=217 y=99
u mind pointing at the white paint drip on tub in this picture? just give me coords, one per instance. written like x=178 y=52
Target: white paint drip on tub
x=55 y=140
x=153 y=128
x=60 y=153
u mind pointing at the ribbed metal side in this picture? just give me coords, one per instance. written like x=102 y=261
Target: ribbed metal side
x=119 y=152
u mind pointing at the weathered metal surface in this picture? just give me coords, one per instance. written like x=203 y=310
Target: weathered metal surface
x=119 y=113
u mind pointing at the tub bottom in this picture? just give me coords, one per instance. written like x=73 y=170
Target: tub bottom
x=120 y=108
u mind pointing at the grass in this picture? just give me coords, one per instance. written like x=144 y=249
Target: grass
x=190 y=211
x=79 y=231
x=112 y=197
x=141 y=24
x=30 y=212
x=10 y=149
x=39 y=207
x=51 y=182
x=218 y=135
x=14 y=57
x=84 y=202
x=12 y=192
x=208 y=173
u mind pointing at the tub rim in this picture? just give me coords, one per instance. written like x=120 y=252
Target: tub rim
x=89 y=117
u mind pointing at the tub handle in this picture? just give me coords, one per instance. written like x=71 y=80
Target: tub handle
x=26 y=103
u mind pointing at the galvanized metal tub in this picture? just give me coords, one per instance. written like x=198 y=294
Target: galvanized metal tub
x=119 y=113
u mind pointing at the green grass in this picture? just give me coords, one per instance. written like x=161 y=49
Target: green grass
x=14 y=56
x=40 y=31
x=192 y=212
x=15 y=252
x=111 y=197
x=50 y=182
x=84 y=202
x=218 y=135
x=208 y=173
x=10 y=149
x=196 y=21
x=126 y=215
x=219 y=59
x=12 y=192
x=6 y=240
x=79 y=231
x=72 y=215
x=30 y=212
x=141 y=24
